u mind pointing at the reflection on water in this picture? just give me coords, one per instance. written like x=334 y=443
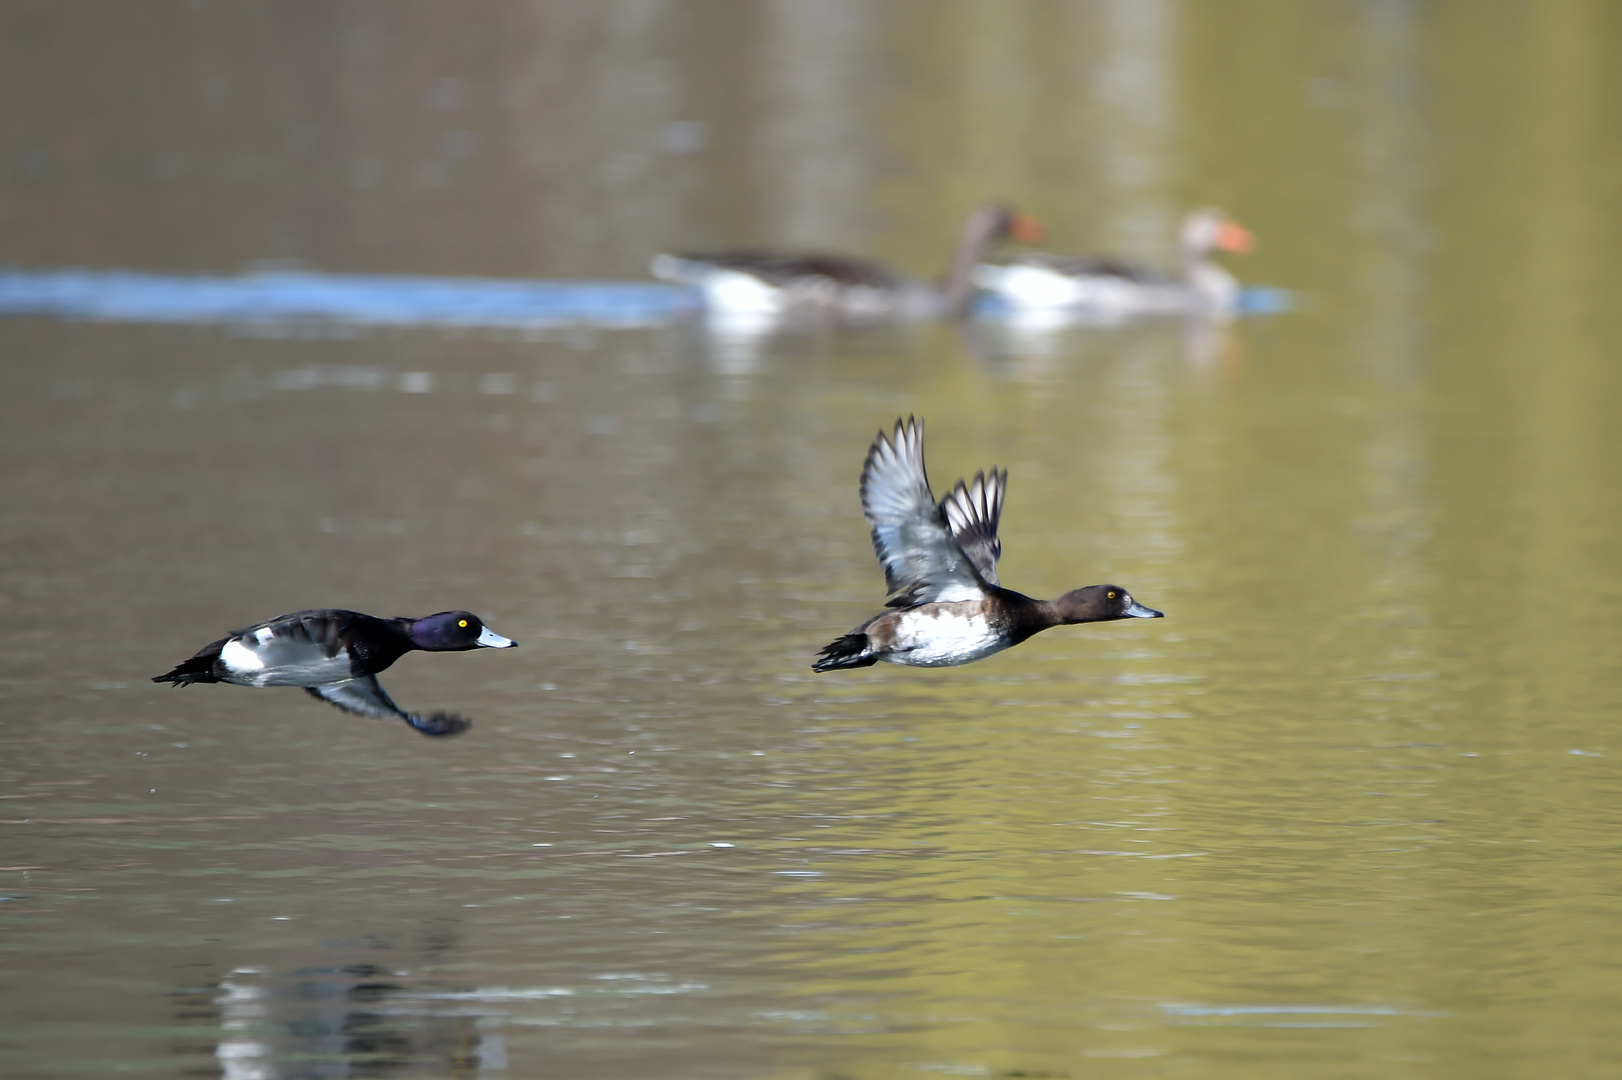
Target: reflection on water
x=1033 y=340
x=351 y=1021
x=285 y=297
x=1348 y=811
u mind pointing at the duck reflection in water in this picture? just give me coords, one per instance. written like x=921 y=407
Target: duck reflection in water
x=1030 y=349
x=361 y=1019
x=940 y=564
x=335 y=655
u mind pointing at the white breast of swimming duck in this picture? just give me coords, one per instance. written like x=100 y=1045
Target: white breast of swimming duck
x=1027 y=286
x=726 y=292
x=941 y=636
x=1031 y=288
x=734 y=292
x=1214 y=288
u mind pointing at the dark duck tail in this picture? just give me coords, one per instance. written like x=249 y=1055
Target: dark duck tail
x=199 y=668
x=846 y=652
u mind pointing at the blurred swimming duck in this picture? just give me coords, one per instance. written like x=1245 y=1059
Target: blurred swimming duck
x=1113 y=288
x=940 y=565
x=759 y=286
x=336 y=655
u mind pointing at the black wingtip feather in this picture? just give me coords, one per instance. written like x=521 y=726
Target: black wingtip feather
x=892 y=442
x=440 y=724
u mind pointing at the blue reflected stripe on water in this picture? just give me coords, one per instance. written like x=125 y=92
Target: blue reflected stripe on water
x=385 y=299
x=1252 y=300
x=133 y=296
x=1263 y=300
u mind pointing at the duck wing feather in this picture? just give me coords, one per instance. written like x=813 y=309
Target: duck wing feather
x=365 y=696
x=923 y=562
x=305 y=648
x=973 y=511
x=300 y=633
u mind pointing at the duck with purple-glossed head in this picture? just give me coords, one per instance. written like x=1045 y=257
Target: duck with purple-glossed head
x=335 y=655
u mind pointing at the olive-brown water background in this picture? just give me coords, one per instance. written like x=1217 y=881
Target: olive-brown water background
x=1351 y=810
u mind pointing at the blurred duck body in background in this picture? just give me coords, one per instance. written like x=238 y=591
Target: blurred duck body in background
x=757 y=288
x=1107 y=289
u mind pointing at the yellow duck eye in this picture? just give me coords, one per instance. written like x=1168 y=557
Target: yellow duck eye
x=463 y=622
x=1112 y=594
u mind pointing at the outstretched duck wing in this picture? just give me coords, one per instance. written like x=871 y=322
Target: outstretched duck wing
x=972 y=511
x=303 y=636
x=923 y=563
x=365 y=697
x=305 y=648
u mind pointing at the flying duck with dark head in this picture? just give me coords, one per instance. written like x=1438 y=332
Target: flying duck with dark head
x=940 y=565
x=335 y=655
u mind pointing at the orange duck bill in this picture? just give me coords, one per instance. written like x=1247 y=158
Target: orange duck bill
x=1235 y=238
